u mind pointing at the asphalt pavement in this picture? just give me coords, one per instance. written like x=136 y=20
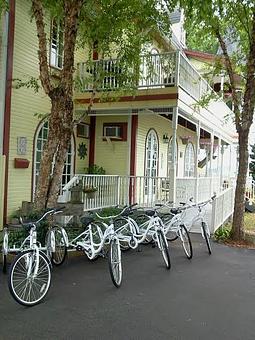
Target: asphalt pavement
x=209 y=297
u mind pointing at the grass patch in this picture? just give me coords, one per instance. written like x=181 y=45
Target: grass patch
x=249 y=222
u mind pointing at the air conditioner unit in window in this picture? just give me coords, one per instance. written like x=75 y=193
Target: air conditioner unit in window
x=83 y=130
x=112 y=131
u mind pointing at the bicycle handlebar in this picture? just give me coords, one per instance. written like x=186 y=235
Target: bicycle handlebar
x=49 y=212
x=110 y=217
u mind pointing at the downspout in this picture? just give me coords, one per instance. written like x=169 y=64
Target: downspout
x=8 y=97
x=3 y=66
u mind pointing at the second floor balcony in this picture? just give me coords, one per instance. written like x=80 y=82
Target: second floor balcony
x=170 y=70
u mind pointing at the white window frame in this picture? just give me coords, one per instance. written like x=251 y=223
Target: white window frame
x=189 y=160
x=151 y=162
x=86 y=130
x=170 y=157
x=38 y=147
x=117 y=129
x=56 y=45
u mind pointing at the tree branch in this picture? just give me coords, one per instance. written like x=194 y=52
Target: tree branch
x=230 y=72
x=72 y=11
x=37 y=10
x=249 y=93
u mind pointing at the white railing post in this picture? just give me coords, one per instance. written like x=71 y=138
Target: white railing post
x=221 y=163
x=196 y=160
x=172 y=173
x=213 y=221
x=211 y=160
x=118 y=190
x=177 y=68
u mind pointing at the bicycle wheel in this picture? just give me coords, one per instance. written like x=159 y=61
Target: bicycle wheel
x=114 y=261
x=26 y=287
x=56 y=246
x=5 y=250
x=171 y=235
x=186 y=242
x=163 y=247
x=206 y=236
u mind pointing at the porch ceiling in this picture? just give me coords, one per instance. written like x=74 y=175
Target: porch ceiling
x=154 y=97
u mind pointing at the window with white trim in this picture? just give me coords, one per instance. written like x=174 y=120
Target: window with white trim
x=115 y=131
x=40 y=140
x=170 y=157
x=189 y=161
x=151 y=162
x=56 y=44
x=82 y=130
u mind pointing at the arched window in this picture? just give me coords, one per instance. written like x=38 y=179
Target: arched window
x=170 y=157
x=40 y=140
x=151 y=160
x=189 y=161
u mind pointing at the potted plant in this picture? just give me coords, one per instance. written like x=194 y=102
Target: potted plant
x=185 y=139
x=90 y=191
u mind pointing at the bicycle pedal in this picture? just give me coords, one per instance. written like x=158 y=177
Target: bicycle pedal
x=79 y=248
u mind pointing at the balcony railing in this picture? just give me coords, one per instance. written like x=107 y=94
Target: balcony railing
x=156 y=70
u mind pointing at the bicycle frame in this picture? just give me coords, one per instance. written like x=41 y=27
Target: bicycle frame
x=152 y=226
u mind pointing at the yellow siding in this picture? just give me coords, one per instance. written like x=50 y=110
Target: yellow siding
x=161 y=126
x=25 y=104
x=113 y=156
x=82 y=164
x=2 y=172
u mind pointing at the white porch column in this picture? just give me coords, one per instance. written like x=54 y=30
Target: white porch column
x=196 y=160
x=221 y=164
x=211 y=160
x=219 y=157
x=230 y=163
x=172 y=173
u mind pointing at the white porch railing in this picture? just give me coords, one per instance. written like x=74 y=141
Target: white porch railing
x=156 y=70
x=250 y=190
x=146 y=191
x=113 y=190
x=200 y=188
x=222 y=208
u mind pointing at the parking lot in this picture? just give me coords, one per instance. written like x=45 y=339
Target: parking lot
x=209 y=297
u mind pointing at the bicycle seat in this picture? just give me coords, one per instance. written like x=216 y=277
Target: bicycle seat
x=175 y=211
x=86 y=220
x=149 y=212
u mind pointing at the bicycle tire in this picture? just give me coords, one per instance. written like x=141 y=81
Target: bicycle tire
x=206 y=237
x=188 y=250
x=59 y=255
x=163 y=246
x=170 y=235
x=114 y=262
x=4 y=250
x=18 y=276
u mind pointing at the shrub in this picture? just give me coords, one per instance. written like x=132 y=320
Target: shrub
x=223 y=233
x=95 y=169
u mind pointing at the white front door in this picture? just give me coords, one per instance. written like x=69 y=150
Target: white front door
x=151 y=164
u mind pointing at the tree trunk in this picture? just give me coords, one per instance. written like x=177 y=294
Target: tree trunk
x=56 y=123
x=238 y=218
x=58 y=169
